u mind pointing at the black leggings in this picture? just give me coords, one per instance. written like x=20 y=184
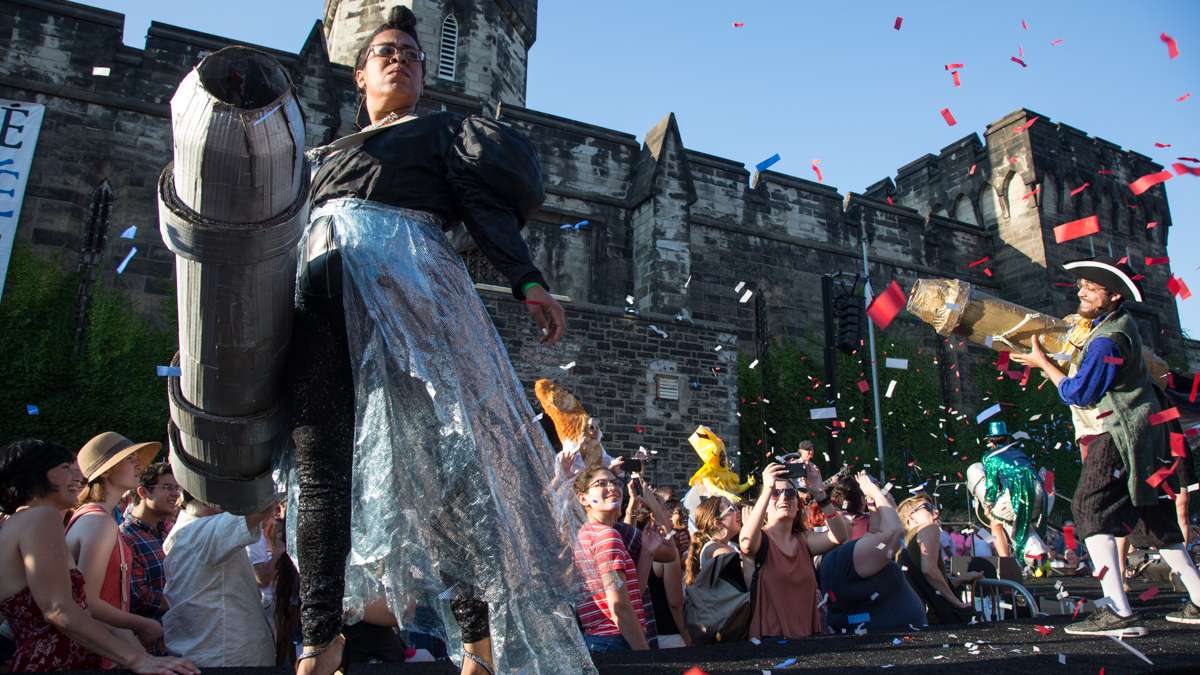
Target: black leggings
x=321 y=400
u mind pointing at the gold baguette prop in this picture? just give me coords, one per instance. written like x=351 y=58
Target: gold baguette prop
x=956 y=307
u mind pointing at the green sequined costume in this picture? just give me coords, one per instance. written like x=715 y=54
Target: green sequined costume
x=1010 y=469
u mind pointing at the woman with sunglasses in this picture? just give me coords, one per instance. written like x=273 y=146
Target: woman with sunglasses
x=416 y=459
x=922 y=560
x=785 y=584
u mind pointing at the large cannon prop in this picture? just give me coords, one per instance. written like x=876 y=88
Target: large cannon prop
x=956 y=307
x=232 y=207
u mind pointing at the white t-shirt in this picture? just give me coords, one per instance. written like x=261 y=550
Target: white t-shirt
x=216 y=617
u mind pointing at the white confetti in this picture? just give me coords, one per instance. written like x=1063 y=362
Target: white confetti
x=887 y=487
x=898 y=364
x=538 y=417
x=746 y=296
x=861 y=629
x=130 y=232
x=994 y=410
x=753 y=364
x=718 y=348
x=568 y=366
x=755 y=641
x=658 y=331
x=890 y=388
x=1035 y=417
x=1062 y=659
x=739 y=287
x=101 y=71
x=629 y=299
x=874 y=596
x=823 y=413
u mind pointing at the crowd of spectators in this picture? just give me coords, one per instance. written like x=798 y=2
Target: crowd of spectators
x=147 y=577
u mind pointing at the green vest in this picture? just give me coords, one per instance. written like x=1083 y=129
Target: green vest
x=1132 y=399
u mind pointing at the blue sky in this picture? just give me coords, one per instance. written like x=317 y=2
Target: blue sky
x=834 y=81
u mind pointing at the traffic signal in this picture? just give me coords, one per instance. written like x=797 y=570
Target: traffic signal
x=848 y=311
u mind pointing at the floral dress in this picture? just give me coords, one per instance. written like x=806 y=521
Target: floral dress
x=41 y=647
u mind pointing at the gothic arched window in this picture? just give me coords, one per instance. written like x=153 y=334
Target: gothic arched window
x=448 y=49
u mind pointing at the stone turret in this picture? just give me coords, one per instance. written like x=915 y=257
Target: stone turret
x=480 y=49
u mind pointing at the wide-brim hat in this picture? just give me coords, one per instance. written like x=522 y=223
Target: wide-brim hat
x=1113 y=275
x=106 y=450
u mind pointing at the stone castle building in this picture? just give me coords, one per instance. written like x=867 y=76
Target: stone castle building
x=674 y=228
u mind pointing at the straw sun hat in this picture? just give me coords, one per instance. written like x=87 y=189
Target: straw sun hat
x=108 y=449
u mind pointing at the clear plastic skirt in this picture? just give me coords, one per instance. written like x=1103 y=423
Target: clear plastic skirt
x=451 y=475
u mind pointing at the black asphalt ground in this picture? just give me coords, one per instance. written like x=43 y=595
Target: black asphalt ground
x=1015 y=647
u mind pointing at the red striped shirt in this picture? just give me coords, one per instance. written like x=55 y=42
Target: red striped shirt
x=599 y=551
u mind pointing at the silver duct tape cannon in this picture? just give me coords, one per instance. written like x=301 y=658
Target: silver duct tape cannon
x=956 y=307
x=232 y=207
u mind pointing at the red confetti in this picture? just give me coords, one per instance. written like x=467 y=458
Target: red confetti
x=1172 y=48
x=1069 y=535
x=639 y=429
x=1079 y=189
x=1044 y=630
x=899 y=20
x=1164 y=416
x=1161 y=260
x=1102 y=572
x=863 y=386
x=980 y=261
x=1124 y=260
x=1020 y=51
x=1013 y=160
x=1178 y=287
x=972 y=171
x=987 y=272
x=1002 y=361
x=1032 y=192
x=1181 y=169
x=1018 y=61
x=1183 y=98
x=1138 y=277
x=887 y=305
x=1025 y=376
x=1162 y=145
x=1056 y=42
x=1114 y=360
x=738 y=24
x=889 y=200
x=1178 y=445
x=1148 y=181
x=695 y=670
x=1151 y=225
x=1028 y=124
x=1148 y=593
x=817 y=169
x=1075 y=229
x=954 y=66
x=949 y=117
x=957 y=82
x=1047 y=481
x=1195 y=386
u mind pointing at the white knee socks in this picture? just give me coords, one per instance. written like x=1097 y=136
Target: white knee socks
x=1103 y=550
x=1181 y=564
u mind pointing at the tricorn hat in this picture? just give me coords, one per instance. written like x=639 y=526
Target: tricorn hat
x=105 y=450
x=1113 y=275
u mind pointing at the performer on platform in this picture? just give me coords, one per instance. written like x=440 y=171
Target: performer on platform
x=1011 y=494
x=416 y=452
x=1112 y=399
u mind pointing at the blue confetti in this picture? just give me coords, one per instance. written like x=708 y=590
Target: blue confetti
x=767 y=163
x=865 y=617
x=267 y=114
x=121 y=267
x=130 y=232
x=169 y=371
x=31 y=409
x=577 y=226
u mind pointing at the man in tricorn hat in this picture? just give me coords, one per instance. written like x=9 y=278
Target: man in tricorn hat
x=1112 y=399
x=1011 y=494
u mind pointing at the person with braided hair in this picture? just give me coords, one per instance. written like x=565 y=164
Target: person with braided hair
x=717 y=604
x=419 y=475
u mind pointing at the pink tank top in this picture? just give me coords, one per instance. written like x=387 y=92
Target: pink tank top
x=115 y=590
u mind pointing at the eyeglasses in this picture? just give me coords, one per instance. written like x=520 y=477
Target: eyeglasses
x=167 y=488
x=387 y=50
x=604 y=484
x=788 y=493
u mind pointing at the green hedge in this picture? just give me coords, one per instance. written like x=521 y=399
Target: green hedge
x=108 y=384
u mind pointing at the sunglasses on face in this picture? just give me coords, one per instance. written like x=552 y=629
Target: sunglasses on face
x=933 y=510
x=728 y=510
x=787 y=493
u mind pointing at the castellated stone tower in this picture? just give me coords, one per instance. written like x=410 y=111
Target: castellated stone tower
x=479 y=48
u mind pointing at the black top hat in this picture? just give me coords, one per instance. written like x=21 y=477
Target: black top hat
x=1114 y=276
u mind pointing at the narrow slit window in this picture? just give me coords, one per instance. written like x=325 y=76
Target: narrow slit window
x=448 y=49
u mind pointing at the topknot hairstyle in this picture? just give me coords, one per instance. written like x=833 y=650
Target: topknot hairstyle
x=23 y=467
x=399 y=18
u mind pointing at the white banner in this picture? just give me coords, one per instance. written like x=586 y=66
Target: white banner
x=20 y=123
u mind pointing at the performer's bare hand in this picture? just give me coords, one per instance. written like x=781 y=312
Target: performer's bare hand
x=1036 y=357
x=547 y=313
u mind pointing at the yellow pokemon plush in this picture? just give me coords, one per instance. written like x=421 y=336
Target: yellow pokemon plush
x=576 y=429
x=715 y=476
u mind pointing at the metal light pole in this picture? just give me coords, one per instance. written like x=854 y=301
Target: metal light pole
x=868 y=293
